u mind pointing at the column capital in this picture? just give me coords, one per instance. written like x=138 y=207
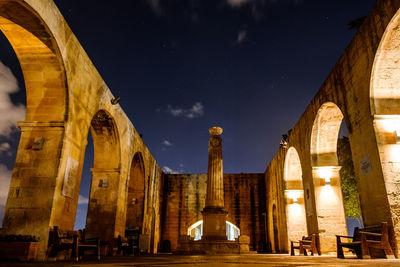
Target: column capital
x=105 y=170
x=45 y=125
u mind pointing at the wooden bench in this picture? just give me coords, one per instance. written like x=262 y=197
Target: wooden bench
x=374 y=236
x=124 y=246
x=307 y=242
x=60 y=240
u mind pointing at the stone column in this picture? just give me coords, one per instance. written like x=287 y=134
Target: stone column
x=30 y=204
x=214 y=214
x=103 y=201
x=329 y=205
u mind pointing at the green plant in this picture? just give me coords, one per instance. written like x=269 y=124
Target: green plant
x=348 y=181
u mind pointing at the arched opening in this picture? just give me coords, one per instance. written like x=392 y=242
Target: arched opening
x=385 y=109
x=42 y=131
x=12 y=110
x=84 y=188
x=294 y=195
x=101 y=214
x=136 y=194
x=335 y=186
x=40 y=61
x=195 y=231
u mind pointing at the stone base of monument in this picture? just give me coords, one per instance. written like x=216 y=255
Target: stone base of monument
x=217 y=246
x=214 y=223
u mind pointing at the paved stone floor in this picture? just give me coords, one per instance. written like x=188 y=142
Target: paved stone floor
x=219 y=261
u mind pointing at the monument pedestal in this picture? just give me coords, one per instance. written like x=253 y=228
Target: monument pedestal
x=214 y=226
x=214 y=240
x=215 y=246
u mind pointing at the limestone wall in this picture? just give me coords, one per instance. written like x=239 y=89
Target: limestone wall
x=67 y=97
x=184 y=199
x=348 y=87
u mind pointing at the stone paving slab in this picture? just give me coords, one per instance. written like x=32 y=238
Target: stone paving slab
x=217 y=260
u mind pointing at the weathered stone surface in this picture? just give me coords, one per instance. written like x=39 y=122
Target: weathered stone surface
x=363 y=90
x=244 y=198
x=66 y=97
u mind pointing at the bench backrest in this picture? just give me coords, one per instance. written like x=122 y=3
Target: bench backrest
x=57 y=236
x=379 y=228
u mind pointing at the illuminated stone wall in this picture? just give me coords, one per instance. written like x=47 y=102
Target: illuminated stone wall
x=244 y=196
x=67 y=97
x=363 y=89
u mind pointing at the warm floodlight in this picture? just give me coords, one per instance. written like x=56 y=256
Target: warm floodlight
x=327 y=180
x=325 y=173
x=294 y=195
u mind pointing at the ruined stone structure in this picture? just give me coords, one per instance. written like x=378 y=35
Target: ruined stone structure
x=66 y=97
x=213 y=236
x=185 y=199
x=363 y=91
x=298 y=194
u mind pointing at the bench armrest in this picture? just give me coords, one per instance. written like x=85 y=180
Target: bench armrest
x=371 y=234
x=91 y=239
x=65 y=237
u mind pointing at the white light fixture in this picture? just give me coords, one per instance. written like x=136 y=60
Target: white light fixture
x=327 y=180
x=294 y=195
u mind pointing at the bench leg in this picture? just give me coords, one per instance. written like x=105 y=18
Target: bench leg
x=339 y=251
x=75 y=248
x=98 y=250
x=388 y=251
x=364 y=248
x=291 y=249
x=302 y=250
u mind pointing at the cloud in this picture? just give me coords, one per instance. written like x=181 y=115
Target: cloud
x=155 y=6
x=236 y=3
x=257 y=7
x=83 y=200
x=196 y=111
x=167 y=143
x=241 y=37
x=9 y=113
x=168 y=170
x=4 y=147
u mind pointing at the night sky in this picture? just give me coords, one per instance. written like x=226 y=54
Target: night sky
x=182 y=66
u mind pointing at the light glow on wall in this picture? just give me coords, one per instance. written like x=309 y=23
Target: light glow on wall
x=196 y=231
x=325 y=173
x=294 y=195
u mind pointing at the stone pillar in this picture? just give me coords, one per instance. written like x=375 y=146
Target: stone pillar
x=32 y=187
x=101 y=216
x=329 y=205
x=214 y=214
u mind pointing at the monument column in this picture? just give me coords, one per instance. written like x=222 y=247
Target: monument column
x=214 y=214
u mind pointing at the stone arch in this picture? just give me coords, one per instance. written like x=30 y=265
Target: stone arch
x=294 y=195
x=136 y=193
x=105 y=176
x=42 y=133
x=326 y=177
x=385 y=109
x=324 y=135
x=41 y=63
